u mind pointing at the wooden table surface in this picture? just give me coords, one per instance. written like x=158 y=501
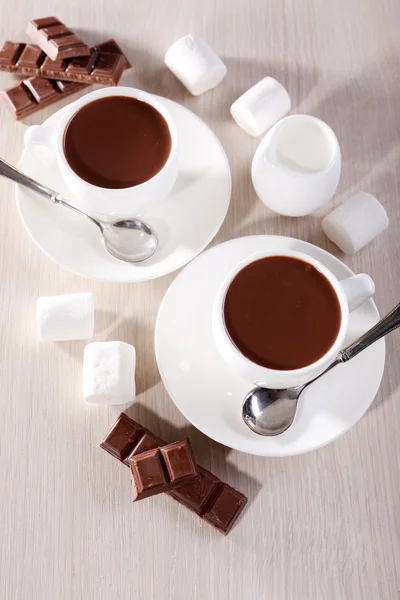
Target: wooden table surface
x=322 y=526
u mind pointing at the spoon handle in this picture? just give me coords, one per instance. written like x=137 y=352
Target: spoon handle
x=385 y=326
x=10 y=172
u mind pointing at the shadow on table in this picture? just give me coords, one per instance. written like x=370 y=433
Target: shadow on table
x=210 y=454
x=306 y=228
x=363 y=114
x=139 y=333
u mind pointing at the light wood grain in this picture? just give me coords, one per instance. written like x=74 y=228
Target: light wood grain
x=324 y=526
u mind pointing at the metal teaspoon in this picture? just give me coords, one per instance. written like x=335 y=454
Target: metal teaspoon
x=130 y=240
x=270 y=412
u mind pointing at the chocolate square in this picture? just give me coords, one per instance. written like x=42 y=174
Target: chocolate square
x=109 y=65
x=19 y=100
x=67 y=45
x=41 y=89
x=112 y=47
x=31 y=57
x=148 y=476
x=9 y=55
x=55 y=31
x=54 y=66
x=225 y=508
x=45 y=22
x=83 y=65
x=179 y=461
x=123 y=436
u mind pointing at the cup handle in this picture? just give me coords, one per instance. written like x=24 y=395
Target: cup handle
x=358 y=289
x=38 y=137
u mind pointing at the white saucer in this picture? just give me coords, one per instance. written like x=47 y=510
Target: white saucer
x=186 y=221
x=210 y=396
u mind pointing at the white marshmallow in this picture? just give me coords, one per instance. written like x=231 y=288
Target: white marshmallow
x=195 y=64
x=261 y=106
x=356 y=222
x=66 y=317
x=109 y=373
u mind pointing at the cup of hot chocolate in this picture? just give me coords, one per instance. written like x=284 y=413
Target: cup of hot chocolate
x=280 y=318
x=116 y=149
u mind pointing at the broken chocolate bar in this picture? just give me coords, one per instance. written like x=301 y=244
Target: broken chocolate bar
x=162 y=469
x=211 y=499
x=55 y=39
x=30 y=95
x=105 y=63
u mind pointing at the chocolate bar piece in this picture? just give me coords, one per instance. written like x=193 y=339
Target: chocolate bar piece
x=211 y=499
x=55 y=39
x=162 y=469
x=105 y=63
x=224 y=508
x=9 y=55
x=30 y=95
x=121 y=438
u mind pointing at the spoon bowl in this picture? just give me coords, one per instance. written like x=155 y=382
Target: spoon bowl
x=270 y=412
x=130 y=240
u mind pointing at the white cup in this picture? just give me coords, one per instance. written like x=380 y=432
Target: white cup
x=296 y=167
x=351 y=293
x=104 y=202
